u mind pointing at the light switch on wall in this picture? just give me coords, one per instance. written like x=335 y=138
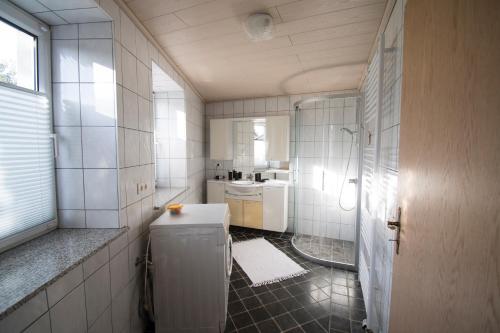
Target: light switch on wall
x=141 y=187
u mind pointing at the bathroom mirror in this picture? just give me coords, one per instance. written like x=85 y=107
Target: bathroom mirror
x=256 y=144
x=249 y=152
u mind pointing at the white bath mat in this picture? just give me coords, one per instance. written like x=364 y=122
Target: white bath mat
x=264 y=263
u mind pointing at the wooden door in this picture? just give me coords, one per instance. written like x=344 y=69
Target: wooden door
x=236 y=211
x=252 y=214
x=447 y=275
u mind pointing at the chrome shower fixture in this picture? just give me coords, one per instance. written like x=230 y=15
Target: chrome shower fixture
x=348 y=130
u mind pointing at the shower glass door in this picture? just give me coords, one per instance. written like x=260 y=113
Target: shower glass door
x=325 y=195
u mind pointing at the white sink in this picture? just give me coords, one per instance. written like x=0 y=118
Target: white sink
x=242 y=182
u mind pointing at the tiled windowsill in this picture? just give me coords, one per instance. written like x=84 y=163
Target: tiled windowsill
x=31 y=267
x=164 y=195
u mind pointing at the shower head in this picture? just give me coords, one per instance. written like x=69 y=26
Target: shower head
x=348 y=130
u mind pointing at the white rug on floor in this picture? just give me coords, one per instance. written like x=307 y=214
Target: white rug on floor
x=264 y=263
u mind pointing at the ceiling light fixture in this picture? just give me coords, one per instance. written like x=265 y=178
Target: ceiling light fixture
x=259 y=26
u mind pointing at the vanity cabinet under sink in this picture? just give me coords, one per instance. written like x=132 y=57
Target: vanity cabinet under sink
x=252 y=214
x=236 y=211
x=257 y=206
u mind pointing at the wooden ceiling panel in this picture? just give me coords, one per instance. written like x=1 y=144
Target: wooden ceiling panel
x=305 y=8
x=333 y=19
x=164 y=24
x=354 y=47
x=208 y=52
x=357 y=53
x=263 y=84
x=147 y=9
x=248 y=83
x=221 y=9
x=234 y=24
x=207 y=45
x=258 y=65
x=212 y=30
x=338 y=78
x=347 y=30
x=318 y=45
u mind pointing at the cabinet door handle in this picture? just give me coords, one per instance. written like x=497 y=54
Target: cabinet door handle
x=243 y=195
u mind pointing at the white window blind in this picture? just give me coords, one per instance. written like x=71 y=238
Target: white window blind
x=27 y=185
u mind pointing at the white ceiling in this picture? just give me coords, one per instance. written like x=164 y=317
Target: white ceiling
x=319 y=45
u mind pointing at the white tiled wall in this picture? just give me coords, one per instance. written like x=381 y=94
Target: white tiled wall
x=319 y=135
x=99 y=295
x=135 y=142
x=133 y=56
x=85 y=122
x=104 y=119
x=375 y=261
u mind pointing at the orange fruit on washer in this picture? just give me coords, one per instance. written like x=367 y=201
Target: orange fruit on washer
x=175 y=208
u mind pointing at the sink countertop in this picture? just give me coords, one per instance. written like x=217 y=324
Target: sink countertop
x=29 y=268
x=272 y=182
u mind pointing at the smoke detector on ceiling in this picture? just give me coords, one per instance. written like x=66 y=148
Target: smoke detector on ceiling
x=259 y=26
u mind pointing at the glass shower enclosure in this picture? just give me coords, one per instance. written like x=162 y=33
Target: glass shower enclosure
x=325 y=179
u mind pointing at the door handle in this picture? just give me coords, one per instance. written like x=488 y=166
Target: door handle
x=229 y=269
x=323 y=181
x=396 y=225
x=55 y=143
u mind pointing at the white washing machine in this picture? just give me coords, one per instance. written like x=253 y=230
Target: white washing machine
x=192 y=263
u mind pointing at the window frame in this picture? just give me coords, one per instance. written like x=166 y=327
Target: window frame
x=25 y=22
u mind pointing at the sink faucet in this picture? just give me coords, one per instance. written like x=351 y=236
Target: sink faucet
x=249 y=176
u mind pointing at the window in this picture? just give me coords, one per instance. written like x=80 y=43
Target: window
x=27 y=181
x=17 y=57
x=170 y=144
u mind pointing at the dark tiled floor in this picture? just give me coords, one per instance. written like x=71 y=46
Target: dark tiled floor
x=324 y=300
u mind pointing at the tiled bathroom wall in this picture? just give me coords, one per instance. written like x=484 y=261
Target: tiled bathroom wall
x=135 y=126
x=320 y=127
x=134 y=54
x=103 y=115
x=85 y=123
x=95 y=296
